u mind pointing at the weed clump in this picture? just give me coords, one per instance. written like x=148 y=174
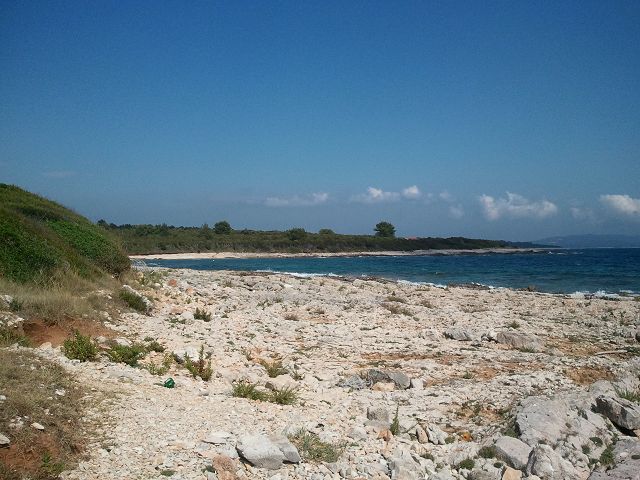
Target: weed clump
x=127 y=354
x=283 y=396
x=312 y=449
x=202 y=315
x=9 y=336
x=273 y=368
x=487 y=452
x=246 y=389
x=133 y=300
x=466 y=464
x=201 y=367
x=80 y=347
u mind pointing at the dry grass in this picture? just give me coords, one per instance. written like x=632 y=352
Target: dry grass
x=30 y=385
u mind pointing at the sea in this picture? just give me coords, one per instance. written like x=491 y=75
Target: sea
x=598 y=271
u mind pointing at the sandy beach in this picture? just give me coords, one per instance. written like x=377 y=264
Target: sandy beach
x=206 y=255
x=402 y=381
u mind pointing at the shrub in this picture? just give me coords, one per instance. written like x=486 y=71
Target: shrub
x=201 y=367
x=9 y=336
x=487 y=452
x=155 y=369
x=133 y=300
x=246 y=389
x=154 y=346
x=202 y=315
x=632 y=396
x=466 y=464
x=606 y=457
x=127 y=354
x=273 y=368
x=80 y=347
x=283 y=396
x=312 y=449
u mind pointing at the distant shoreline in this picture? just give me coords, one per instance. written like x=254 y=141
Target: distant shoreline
x=443 y=252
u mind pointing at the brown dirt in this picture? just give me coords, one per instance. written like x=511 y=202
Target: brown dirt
x=29 y=458
x=588 y=375
x=39 y=332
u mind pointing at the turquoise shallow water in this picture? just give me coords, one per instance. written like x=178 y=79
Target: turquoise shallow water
x=615 y=270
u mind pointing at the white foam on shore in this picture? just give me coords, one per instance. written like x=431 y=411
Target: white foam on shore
x=299 y=274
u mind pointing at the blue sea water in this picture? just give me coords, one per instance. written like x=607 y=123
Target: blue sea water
x=608 y=270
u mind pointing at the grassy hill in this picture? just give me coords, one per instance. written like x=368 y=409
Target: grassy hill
x=42 y=241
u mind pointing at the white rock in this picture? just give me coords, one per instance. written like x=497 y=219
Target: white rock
x=37 y=426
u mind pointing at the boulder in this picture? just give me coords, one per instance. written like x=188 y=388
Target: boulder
x=378 y=414
x=260 y=451
x=620 y=411
x=460 y=334
x=385 y=376
x=354 y=382
x=513 y=451
x=519 y=340
x=436 y=435
x=4 y=440
x=541 y=419
x=548 y=465
x=287 y=448
x=626 y=463
x=404 y=467
x=511 y=474
x=421 y=434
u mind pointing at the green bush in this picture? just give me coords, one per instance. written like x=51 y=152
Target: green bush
x=283 y=396
x=246 y=389
x=80 y=347
x=133 y=300
x=487 y=452
x=273 y=368
x=127 y=354
x=466 y=464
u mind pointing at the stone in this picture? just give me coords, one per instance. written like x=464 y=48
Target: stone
x=626 y=462
x=37 y=426
x=620 y=411
x=511 y=474
x=378 y=414
x=260 y=451
x=287 y=448
x=225 y=467
x=459 y=334
x=358 y=433
x=383 y=387
x=519 y=340
x=4 y=440
x=436 y=435
x=404 y=467
x=417 y=384
x=400 y=379
x=421 y=434
x=540 y=419
x=354 y=382
x=548 y=465
x=123 y=342
x=217 y=438
x=513 y=451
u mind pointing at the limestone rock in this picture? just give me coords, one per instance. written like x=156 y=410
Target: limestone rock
x=548 y=465
x=513 y=451
x=460 y=334
x=400 y=379
x=4 y=440
x=620 y=411
x=540 y=419
x=519 y=340
x=378 y=414
x=511 y=474
x=287 y=448
x=436 y=435
x=260 y=451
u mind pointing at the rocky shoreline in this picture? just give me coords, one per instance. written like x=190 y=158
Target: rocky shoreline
x=393 y=381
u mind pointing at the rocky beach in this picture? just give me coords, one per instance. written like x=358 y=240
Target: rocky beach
x=362 y=379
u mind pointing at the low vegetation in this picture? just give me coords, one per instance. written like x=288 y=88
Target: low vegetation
x=133 y=300
x=128 y=354
x=273 y=368
x=80 y=347
x=202 y=315
x=200 y=367
x=33 y=382
x=312 y=449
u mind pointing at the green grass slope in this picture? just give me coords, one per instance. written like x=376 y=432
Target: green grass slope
x=41 y=239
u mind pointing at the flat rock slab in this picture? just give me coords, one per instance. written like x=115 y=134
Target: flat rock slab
x=620 y=411
x=523 y=341
x=260 y=451
x=513 y=451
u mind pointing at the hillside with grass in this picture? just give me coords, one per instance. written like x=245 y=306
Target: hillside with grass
x=44 y=242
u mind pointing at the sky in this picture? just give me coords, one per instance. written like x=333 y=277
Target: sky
x=511 y=120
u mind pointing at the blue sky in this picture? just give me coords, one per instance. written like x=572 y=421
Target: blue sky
x=513 y=120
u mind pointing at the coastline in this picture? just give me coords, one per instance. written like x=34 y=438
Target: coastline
x=443 y=252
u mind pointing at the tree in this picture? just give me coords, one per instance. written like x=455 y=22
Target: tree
x=296 y=234
x=385 y=229
x=326 y=231
x=222 y=228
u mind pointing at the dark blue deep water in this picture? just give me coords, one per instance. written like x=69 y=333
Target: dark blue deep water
x=610 y=270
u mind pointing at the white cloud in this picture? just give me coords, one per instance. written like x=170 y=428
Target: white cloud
x=59 y=174
x=411 y=192
x=376 y=195
x=298 y=201
x=456 y=211
x=622 y=203
x=515 y=206
x=446 y=196
x=582 y=213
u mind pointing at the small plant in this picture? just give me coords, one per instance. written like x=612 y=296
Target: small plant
x=312 y=449
x=154 y=346
x=467 y=375
x=395 y=424
x=394 y=298
x=273 y=368
x=586 y=449
x=133 y=300
x=428 y=456
x=9 y=336
x=246 y=389
x=49 y=467
x=514 y=324
x=16 y=305
x=449 y=439
x=200 y=368
x=629 y=395
x=396 y=310
x=127 y=354
x=291 y=317
x=487 y=452
x=80 y=347
x=606 y=457
x=284 y=396
x=466 y=464
x=597 y=441
x=498 y=465
x=202 y=315
x=161 y=369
